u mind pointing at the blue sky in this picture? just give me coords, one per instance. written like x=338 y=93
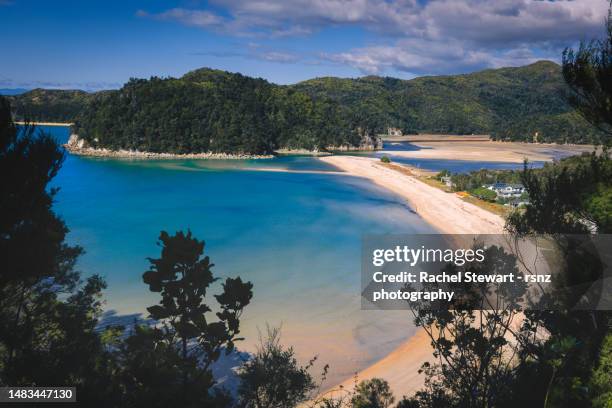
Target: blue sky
x=99 y=45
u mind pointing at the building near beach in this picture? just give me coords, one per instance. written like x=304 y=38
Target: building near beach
x=505 y=190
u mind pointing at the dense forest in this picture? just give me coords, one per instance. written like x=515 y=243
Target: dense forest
x=49 y=105
x=507 y=103
x=212 y=110
x=209 y=110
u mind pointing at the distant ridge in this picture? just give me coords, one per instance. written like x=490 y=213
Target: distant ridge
x=522 y=104
x=525 y=103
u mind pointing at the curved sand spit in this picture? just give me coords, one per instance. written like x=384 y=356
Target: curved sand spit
x=445 y=212
x=490 y=151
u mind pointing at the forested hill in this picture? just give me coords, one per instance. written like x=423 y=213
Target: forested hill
x=210 y=110
x=49 y=105
x=219 y=111
x=508 y=103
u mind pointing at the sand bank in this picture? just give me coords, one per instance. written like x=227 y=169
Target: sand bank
x=490 y=151
x=285 y=170
x=446 y=212
x=400 y=368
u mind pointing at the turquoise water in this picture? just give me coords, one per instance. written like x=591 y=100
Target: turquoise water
x=295 y=235
x=294 y=232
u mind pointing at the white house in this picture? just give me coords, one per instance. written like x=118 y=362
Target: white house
x=505 y=190
x=447 y=181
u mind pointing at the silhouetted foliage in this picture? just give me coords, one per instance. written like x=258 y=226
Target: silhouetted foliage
x=471 y=340
x=588 y=72
x=571 y=196
x=568 y=197
x=48 y=315
x=373 y=393
x=273 y=378
x=153 y=372
x=183 y=276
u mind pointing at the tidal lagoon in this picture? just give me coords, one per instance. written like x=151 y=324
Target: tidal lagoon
x=292 y=225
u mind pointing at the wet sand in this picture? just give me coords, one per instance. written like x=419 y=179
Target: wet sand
x=444 y=211
x=490 y=151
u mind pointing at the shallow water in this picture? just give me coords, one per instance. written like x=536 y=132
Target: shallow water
x=454 y=166
x=296 y=236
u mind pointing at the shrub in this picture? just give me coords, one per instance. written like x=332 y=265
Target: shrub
x=484 y=193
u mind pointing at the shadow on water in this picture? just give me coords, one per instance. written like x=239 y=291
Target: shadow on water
x=403 y=146
x=224 y=369
x=112 y=318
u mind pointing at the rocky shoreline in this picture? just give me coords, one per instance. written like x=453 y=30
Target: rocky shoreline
x=301 y=152
x=80 y=147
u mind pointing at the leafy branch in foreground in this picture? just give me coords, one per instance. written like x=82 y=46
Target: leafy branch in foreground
x=183 y=276
x=588 y=72
x=273 y=378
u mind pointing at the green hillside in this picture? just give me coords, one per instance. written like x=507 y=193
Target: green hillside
x=508 y=103
x=226 y=112
x=49 y=105
x=210 y=110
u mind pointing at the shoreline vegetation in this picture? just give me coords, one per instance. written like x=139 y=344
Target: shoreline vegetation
x=80 y=147
x=23 y=123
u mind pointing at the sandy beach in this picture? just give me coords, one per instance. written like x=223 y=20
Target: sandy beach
x=490 y=151
x=444 y=211
x=400 y=368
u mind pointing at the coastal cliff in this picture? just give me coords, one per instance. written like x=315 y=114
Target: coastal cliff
x=368 y=143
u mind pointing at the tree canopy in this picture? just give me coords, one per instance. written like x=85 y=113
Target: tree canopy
x=223 y=112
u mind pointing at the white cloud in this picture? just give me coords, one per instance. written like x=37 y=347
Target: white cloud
x=434 y=37
x=86 y=86
x=196 y=18
x=422 y=57
x=258 y=52
x=275 y=56
x=476 y=20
